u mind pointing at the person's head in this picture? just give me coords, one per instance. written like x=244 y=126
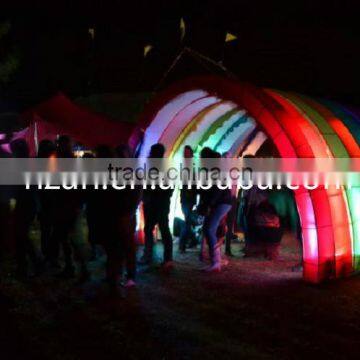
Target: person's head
x=206 y=152
x=64 y=146
x=88 y=156
x=19 y=148
x=104 y=151
x=226 y=155
x=157 y=151
x=188 y=152
x=46 y=148
x=123 y=151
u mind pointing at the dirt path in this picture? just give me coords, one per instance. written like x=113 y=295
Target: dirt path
x=254 y=309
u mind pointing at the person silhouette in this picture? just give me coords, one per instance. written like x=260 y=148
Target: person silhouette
x=156 y=205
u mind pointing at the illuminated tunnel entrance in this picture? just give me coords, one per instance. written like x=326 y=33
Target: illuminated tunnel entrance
x=229 y=116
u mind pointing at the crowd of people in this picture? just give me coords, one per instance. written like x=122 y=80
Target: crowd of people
x=210 y=217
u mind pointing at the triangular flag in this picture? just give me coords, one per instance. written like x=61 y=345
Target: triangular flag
x=182 y=29
x=147 y=49
x=230 y=37
x=91 y=31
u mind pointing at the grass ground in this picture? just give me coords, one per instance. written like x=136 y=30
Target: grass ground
x=254 y=309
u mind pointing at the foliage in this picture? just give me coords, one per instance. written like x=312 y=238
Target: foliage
x=9 y=62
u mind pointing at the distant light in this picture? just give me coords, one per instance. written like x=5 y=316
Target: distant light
x=147 y=49
x=230 y=37
x=182 y=28
x=91 y=31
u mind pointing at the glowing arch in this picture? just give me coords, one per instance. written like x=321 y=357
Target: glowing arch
x=215 y=111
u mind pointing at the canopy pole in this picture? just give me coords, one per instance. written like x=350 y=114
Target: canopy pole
x=36 y=139
x=202 y=59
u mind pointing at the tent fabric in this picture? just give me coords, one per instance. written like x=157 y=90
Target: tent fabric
x=59 y=115
x=123 y=106
x=37 y=130
x=22 y=134
x=298 y=127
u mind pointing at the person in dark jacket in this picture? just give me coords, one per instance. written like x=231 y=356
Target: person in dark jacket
x=91 y=213
x=250 y=199
x=126 y=202
x=215 y=203
x=24 y=215
x=188 y=201
x=67 y=210
x=156 y=205
x=46 y=211
x=5 y=196
x=265 y=230
x=231 y=217
x=284 y=203
x=100 y=209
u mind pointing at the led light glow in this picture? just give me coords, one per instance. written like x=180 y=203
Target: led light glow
x=226 y=115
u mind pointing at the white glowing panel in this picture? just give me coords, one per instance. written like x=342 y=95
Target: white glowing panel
x=236 y=138
x=164 y=117
x=183 y=117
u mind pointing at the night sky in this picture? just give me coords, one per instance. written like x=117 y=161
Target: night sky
x=308 y=46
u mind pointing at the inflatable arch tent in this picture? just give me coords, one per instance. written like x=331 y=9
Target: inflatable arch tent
x=229 y=116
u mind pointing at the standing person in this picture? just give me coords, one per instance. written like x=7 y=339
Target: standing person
x=188 y=201
x=230 y=223
x=250 y=202
x=24 y=215
x=265 y=228
x=91 y=209
x=285 y=206
x=215 y=203
x=101 y=207
x=67 y=210
x=231 y=217
x=127 y=202
x=245 y=199
x=5 y=196
x=46 y=211
x=156 y=212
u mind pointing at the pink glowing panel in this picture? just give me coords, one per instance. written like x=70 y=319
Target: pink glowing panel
x=304 y=129
x=311 y=270
x=253 y=147
x=165 y=115
x=308 y=223
x=305 y=133
x=309 y=234
x=343 y=247
x=6 y=148
x=326 y=241
x=337 y=199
